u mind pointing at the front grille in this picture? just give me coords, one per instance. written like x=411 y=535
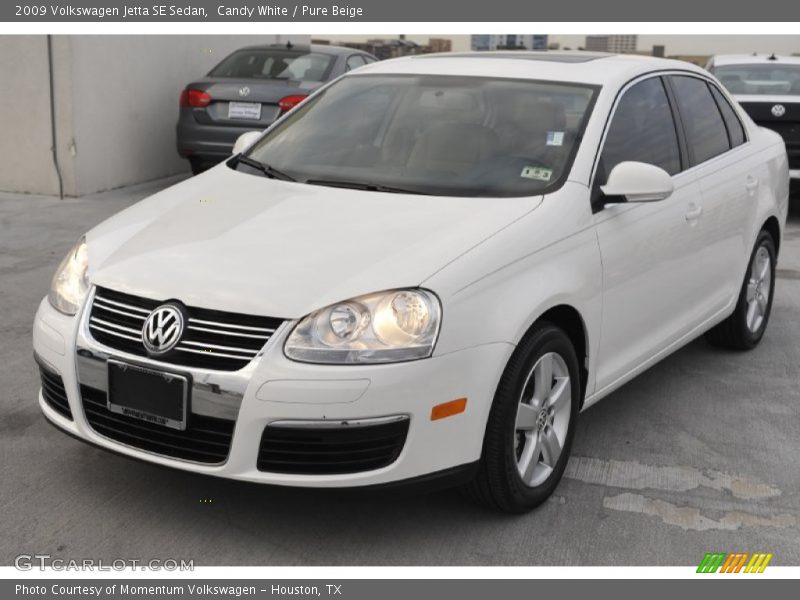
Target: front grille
x=335 y=450
x=54 y=393
x=787 y=125
x=205 y=439
x=212 y=339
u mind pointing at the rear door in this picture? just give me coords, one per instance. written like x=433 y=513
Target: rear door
x=649 y=250
x=720 y=157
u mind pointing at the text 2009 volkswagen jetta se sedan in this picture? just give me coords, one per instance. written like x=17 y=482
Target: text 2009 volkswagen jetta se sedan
x=427 y=269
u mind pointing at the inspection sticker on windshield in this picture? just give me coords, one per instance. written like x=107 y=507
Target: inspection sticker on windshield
x=555 y=138
x=538 y=173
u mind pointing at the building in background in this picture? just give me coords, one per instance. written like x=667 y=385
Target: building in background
x=508 y=42
x=617 y=44
x=115 y=103
x=384 y=48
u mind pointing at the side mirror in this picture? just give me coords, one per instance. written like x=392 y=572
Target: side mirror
x=638 y=182
x=244 y=141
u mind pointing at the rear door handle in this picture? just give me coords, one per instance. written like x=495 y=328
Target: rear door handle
x=694 y=213
x=751 y=183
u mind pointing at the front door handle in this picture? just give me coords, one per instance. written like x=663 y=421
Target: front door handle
x=694 y=212
x=751 y=184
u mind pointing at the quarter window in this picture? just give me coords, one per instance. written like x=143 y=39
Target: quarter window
x=355 y=61
x=705 y=129
x=732 y=122
x=642 y=130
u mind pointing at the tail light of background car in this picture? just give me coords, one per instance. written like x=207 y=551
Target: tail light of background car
x=194 y=98
x=289 y=102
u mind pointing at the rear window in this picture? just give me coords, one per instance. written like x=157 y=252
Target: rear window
x=732 y=122
x=760 y=79
x=275 y=64
x=706 y=133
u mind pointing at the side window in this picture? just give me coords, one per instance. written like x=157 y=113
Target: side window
x=732 y=122
x=642 y=129
x=705 y=130
x=355 y=61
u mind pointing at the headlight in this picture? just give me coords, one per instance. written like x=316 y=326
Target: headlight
x=71 y=282
x=378 y=328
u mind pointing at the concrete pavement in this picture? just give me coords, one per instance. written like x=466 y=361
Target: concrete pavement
x=700 y=453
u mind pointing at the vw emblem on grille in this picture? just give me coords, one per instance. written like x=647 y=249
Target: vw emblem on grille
x=244 y=91
x=162 y=329
x=778 y=110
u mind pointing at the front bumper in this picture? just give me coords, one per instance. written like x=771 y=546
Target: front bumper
x=272 y=388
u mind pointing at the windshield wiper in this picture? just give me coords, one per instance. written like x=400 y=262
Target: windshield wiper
x=359 y=185
x=266 y=169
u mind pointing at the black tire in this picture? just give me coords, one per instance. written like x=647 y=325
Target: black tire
x=733 y=333
x=498 y=483
x=197 y=166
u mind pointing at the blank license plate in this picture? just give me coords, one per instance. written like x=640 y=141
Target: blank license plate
x=153 y=396
x=244 y=110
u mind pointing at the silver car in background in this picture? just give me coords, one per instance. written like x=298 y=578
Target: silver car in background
x=249 y=90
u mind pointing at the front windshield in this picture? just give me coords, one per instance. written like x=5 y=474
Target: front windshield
x=760 y=79
x=436 y=135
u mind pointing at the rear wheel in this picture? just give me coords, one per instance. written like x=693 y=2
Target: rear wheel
x=531 y=424
x=744 y=329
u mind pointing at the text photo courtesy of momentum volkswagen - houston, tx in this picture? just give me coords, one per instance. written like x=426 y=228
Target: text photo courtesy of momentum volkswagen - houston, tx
x=336 y=297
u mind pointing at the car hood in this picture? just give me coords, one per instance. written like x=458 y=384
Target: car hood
x=244 y=243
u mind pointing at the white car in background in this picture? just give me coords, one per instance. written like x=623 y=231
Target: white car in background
x=426 y=270
x=768 y=88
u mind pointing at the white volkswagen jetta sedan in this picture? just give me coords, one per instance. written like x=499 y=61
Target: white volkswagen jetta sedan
x=426 y=270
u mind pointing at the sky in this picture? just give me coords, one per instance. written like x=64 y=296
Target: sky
x=675 y=44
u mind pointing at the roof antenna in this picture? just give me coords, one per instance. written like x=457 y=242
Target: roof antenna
x=772 y=57
x=289 y=45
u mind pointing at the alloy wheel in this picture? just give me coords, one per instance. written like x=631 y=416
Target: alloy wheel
x=542 y=421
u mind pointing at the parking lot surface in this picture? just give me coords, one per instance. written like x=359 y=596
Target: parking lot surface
x=700 y=453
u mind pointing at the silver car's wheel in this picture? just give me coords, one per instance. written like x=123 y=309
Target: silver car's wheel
x=542 y=419
x=759 y=288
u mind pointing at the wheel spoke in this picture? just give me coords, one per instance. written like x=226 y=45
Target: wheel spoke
x=551 y=447
x=526 y=417
x=752 y=308
x=543 y=374
x=530 y=458
x=763 y=265
x=762 y=305
x=751 y=290
x=558 y=395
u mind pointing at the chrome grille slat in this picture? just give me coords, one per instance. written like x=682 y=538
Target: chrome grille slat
x=122 y=305
x=218 y=347
x=116 y=333
x=117 y=311
x=212 y=339
x=230 y=333
x=231 y=326
x=213 y=353
x=116 y=326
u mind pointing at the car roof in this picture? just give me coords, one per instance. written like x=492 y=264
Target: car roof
x=572 y=66
x=748 y=59
x=318 y=48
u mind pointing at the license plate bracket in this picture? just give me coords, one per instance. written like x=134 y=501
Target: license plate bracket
x=150 y=395
x=250 y=111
